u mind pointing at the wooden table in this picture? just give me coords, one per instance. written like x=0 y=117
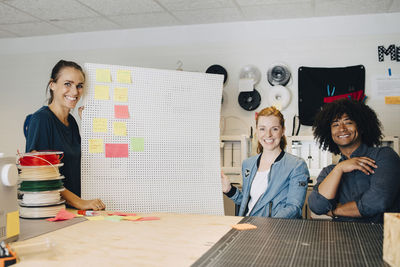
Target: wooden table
x=175 y=240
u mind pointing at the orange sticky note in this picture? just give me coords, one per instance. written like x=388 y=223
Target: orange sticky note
x=121 y=112
x=132 y=218
x=244 y=226
x=117 y=151
x=392 y=99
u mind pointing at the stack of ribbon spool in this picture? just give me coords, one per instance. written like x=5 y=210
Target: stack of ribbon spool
x=40 y=184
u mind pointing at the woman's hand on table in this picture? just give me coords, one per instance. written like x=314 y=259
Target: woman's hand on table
x=93 y=204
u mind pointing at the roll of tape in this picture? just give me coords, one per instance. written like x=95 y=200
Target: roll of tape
x=249 y=100
x=279 y=96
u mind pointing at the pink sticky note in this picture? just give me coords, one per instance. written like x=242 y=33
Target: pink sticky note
x=62 y=215
x=117 y=150
x=148 y=219
x=121 y=213
x=121 y=112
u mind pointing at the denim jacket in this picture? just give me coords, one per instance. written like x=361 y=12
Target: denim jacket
x=374 y=194
x=286 y=191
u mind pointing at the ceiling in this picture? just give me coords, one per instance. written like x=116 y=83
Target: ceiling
x=20 y=18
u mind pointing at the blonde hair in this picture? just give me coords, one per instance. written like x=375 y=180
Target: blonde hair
x=272 y=111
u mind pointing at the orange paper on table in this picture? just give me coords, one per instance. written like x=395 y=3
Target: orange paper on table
x=244 y=226
x=132 y=218
x=121 y=112
x=117 y=151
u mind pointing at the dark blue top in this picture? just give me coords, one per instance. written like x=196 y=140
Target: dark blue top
x=374 y=194
x=47 y=132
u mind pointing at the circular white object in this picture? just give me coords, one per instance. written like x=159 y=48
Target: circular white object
x=9 y=175
x=279 y=96
x=250 y=72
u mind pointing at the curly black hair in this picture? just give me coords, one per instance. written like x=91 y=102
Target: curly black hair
x=368 y=124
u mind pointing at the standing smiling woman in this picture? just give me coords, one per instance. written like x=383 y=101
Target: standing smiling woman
x=52 y=127
x=274 y=182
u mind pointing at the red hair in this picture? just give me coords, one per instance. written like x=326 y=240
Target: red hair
x=272 y=111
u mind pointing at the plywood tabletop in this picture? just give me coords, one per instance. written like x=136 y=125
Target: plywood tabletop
x=174 y=240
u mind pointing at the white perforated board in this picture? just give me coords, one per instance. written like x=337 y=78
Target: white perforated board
x=177 y=113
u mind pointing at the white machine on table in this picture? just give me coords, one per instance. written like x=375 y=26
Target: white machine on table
x=9 y=215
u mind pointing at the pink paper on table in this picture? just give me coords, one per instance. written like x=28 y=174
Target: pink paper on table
x=121 y=112
x=117 y=150
x=148 y=219
x=121 y=213
x=62 y=215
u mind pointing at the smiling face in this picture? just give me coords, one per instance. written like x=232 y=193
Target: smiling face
x=67 y=88
x=269 y=132
x=345 y=133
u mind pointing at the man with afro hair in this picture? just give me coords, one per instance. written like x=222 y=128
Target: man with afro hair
x=366 y=181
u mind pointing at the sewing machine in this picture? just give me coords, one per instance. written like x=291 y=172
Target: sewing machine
x=9 y=214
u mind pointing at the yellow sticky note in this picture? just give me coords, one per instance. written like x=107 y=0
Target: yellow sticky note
x=102 y=92
x=12 y=224
x=119 y=128
x=96 y=146
x=121 y=94
x=392 y=99
x=95 y=218
x=124 y=76
x=103 y=75
x=132 y=218
x=99 y=125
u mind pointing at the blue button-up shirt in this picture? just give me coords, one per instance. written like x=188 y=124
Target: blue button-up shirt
x=374 y=194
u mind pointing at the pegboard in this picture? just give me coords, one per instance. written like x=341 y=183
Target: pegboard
x=173 y=163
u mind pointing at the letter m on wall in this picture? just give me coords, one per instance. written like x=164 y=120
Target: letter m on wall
x=392 y=50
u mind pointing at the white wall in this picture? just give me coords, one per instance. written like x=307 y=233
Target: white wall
x=25 y=63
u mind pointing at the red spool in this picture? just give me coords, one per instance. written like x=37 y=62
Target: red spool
x=40 y=158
